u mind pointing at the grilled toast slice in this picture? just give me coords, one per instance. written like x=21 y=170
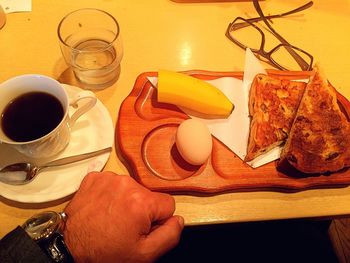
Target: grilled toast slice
x=319 y=140
x=273 y=104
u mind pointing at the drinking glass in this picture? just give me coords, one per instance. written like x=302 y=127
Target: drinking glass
x=91 y=45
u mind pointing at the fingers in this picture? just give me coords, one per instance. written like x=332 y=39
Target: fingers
x=163 y=238
x=162 y=206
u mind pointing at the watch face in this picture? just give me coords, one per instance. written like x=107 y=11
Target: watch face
x=42 y=225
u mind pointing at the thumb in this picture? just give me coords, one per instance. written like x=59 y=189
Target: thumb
x=164 y=237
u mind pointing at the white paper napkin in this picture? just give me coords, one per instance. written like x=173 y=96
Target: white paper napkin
x=234 y=131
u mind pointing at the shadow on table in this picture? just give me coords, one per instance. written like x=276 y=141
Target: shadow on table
x=272 y=241
x=35 y=205
x=68 y=77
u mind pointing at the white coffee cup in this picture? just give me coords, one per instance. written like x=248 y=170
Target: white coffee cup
x=55 y=141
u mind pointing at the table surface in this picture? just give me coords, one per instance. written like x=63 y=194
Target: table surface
x=164 y=34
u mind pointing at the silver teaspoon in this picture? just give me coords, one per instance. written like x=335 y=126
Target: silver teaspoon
x=23 y=173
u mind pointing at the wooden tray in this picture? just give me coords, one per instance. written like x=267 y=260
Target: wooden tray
x=145 y=136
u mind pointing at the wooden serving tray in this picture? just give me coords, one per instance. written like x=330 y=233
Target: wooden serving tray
x=145 y=137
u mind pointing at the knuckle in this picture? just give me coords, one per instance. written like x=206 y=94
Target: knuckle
x=137 y=199
x=121 y=184
x=166 y=201
x=87 y=180
x=123 y=180
x=169 y=199
x=138 y=204
x=91 y=176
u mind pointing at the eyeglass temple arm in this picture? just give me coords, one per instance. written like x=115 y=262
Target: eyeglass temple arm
x=296 y=10
x=302 y=63
x=257 y=19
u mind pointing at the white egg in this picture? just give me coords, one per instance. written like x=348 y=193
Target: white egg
x=194 y=141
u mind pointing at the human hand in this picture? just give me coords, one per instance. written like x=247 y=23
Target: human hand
x=114 y=219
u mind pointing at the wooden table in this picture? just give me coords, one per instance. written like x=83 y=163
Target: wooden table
x=164 y=34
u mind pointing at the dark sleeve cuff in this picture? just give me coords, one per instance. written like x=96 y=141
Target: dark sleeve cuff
x=17 y=246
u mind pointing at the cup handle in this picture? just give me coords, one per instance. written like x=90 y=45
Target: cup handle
x=90 y=99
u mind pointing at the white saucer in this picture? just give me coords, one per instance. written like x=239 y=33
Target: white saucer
x=93 y=131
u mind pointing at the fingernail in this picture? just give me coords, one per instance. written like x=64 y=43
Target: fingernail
x=181 y=221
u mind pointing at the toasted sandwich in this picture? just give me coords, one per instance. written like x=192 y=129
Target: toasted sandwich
x=319 y=140
x=273 y=104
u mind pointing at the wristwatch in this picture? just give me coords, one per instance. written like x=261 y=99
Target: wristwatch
x=46 y=230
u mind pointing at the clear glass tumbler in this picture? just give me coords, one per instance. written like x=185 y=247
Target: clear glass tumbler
x=91 y=45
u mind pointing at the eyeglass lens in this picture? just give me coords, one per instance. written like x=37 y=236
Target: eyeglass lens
x=282 y=57
x=248 y=36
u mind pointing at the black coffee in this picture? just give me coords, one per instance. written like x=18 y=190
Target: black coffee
x=31 y=116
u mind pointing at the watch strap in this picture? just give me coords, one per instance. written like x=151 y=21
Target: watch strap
x=56 y=249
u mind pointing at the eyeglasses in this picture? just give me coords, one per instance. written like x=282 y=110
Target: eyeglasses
x=244 y=33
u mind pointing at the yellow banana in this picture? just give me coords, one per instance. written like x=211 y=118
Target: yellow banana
x=193 y=94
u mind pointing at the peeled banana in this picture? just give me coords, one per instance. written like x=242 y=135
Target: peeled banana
x=192 y=93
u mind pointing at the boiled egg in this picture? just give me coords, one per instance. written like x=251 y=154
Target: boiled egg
x=194 y=141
